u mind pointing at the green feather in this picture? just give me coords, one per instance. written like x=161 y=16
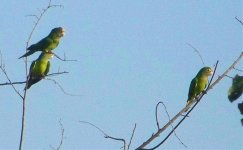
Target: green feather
x=39 y=68
x=46 y=44
x=199 y=83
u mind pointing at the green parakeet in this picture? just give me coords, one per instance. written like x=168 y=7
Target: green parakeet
x=48 y=43
x=39 y=68
x=236 y=90
x=199 y=83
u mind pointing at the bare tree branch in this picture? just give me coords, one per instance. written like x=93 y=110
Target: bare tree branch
x=12 y=83
x=227 y=71
x=239 y=20
x=238 y=69
x=106 y=135
x=229 y=76
x=197 y=51
x=156 y=115
x=23 y=82
x=63 y=59
x=57 y=73
x=62 y=89
x=167 y=113
x=62 y=136
x=128 y=147
x=6 y=75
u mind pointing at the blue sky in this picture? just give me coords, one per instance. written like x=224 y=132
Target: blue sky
x=131 y=55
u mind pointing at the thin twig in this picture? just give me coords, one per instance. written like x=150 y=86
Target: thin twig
x=227 y=71
x=106 y=135
x=62 y=89
x=94 y=126
x=10 y=82
x=238 y=69
x=62 y=136
x=6 y=75
x=117 y=139
x=168 y=115
x=128 y=147
x=57 y=73
x=229 y=76
x=197 y=51
x=156 y=115
x=22 y=82
x=239 y=20
x=63 y=59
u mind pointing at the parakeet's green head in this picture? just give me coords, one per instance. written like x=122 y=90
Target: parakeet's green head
x=57 y=32
x=205 y=71
x=46 y=55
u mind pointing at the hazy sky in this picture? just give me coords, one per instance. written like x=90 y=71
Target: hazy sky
x=131 y=55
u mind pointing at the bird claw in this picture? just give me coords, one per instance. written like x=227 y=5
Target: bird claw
x=204 y=92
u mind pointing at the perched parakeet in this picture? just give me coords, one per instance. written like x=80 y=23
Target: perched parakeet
x=48 y=43
x=39 y=68
x=236 y=90
x=199 y=83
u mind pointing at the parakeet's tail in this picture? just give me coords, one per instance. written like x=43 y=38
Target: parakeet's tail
x=31 y=82
x=28 y=53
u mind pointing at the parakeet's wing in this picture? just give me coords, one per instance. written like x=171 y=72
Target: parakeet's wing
x=41 y=45
x=30 y=75
x=192 y=88
x=47 y=68
x=32 y=67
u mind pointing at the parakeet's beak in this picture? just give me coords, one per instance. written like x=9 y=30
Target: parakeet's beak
x=62 y=33
x=210 y=72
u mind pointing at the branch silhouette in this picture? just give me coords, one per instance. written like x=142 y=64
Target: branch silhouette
x=60 y=86
x=111 y=137
x=23 y=82
x=105 y=134
x=130 y=142
x=63 y=59
x=239 y=20
x=197 y=51
x=167 y=113
x=2 y=67
x=62 y=136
